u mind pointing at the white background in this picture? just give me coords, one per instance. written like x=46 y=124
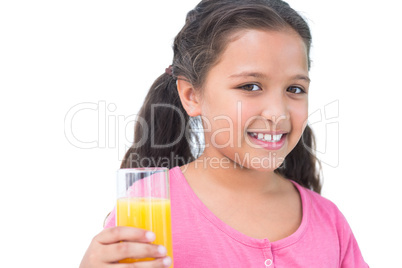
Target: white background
x=57 y=54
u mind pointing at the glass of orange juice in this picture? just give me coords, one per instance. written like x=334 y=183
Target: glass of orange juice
x=143 y=201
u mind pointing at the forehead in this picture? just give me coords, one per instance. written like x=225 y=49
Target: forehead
x=268 y=51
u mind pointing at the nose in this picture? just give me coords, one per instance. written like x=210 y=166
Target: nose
x=275 y=109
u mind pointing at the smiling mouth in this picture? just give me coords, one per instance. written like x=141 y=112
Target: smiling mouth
x=266 y=137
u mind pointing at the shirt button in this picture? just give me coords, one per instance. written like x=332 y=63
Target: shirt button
x=268 y=262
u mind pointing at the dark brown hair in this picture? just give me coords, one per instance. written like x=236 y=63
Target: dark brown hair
x=197 y=47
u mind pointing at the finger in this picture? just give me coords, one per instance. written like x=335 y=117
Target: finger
x=119 y=251
x=123 y=233
x=160 y=262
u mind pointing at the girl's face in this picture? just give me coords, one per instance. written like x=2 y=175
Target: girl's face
x=256 y=92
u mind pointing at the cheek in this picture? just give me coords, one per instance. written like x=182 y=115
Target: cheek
x=220 y=121
x=299 y=116
x=248 y=116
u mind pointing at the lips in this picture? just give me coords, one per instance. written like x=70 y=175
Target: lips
x=269 y=141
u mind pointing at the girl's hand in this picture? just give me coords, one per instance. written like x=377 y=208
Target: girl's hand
x=118 y=243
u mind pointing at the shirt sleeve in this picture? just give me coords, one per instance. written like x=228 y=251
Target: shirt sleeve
x=351 y=256
x=110 y=220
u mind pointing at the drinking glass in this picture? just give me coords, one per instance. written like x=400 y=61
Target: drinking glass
x=143 y=201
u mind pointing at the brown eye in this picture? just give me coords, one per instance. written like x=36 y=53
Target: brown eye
x=296 y=90
x=250 y=87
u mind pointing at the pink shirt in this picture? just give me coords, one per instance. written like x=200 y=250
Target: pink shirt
x=200 y=239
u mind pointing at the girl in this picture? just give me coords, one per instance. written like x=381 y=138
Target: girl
x=249 y=196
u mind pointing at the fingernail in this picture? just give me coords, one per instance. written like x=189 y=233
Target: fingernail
x=167 y=261
x=150 y=236
x=161 y=250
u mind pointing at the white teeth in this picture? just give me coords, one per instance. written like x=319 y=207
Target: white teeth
x=277 y=137
x=266 y=137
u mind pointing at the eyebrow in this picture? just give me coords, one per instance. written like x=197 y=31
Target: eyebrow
x=263 y=76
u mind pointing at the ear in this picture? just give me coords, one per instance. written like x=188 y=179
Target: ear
x=189 y=97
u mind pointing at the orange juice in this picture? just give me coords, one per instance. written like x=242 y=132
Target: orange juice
x=152 y=214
